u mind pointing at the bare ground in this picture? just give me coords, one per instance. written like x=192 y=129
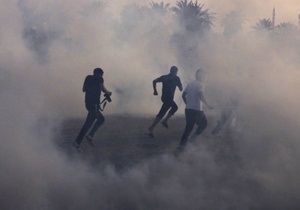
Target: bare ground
x=122 y=141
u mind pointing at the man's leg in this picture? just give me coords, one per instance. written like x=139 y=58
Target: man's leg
x=154 y=123
x=174 y=109
x=100 y=120
x=190 y=122
x=88 y=123
x=159 y=116
x=201 y=121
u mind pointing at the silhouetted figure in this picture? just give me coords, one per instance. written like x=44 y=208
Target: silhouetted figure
x=228 y=113
x=93 y=86
x=169 y=84
x=193 y=97
x=225 y=116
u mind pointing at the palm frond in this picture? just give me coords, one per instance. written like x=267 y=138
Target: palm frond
x=193 y=16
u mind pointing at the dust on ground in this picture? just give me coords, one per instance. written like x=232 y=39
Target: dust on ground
x=122 y=141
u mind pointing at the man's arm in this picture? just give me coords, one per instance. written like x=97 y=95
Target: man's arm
x=203 y=99
x=179 y=84
x=184 y=96
x=102 y=87
x=154 y=86
x=84 y=85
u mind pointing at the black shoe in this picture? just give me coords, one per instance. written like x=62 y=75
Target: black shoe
x=180 y=148
x=165 y=125
x=77 y=146
x=150 y=135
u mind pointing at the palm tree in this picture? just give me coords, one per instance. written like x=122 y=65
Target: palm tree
x=159 y=8
x=195 y=21
x=264 y=25
x=286 y=26
x=193 y=17
x=142 y=21
x=287 y=30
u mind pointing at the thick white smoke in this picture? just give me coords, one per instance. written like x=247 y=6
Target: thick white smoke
x=47 y=49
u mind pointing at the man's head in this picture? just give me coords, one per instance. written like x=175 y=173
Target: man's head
x=200 y=74
x=98 y=72
x=173 y=70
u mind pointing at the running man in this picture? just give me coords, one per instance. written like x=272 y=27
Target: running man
x=193 y=97
x=93 y=85
x=169 y=84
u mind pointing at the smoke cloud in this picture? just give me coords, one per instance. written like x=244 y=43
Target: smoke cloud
x=47 y=49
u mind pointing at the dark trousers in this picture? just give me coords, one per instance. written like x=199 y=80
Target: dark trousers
x=93 y=114
x=193 y=117
x=167 y=104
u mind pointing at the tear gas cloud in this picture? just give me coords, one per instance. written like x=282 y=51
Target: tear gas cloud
x=47 y=49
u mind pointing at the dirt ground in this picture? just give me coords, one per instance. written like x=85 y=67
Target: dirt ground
x=122 y=140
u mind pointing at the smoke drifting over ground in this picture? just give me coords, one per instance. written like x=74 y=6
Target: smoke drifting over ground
x=47 y=49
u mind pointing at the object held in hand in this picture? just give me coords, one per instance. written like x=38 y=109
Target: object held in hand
x=107 y=97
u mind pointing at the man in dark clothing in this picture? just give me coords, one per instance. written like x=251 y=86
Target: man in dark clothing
x=169 y=84
x=93 y=85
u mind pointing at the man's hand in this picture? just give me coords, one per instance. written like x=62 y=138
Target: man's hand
x=107 y=96
x=155 y=93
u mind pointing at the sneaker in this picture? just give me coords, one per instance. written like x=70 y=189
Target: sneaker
x=90 y=140
x=193 y=138
x=180 y=148
x=77 y=146
x=165 y=125
x=150 y=134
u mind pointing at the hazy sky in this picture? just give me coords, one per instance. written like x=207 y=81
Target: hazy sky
x=286 y=10
x=47 y=49
x=256 y=9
